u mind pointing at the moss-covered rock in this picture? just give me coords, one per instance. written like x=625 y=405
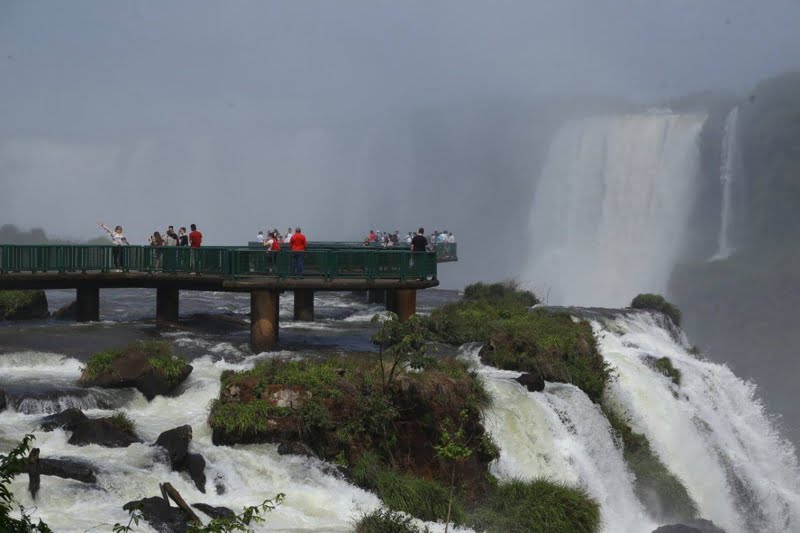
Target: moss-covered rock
x=538 y=506
x=659 y=490
x=341 y=409
x=152 y=367
x=656 y=302
x=23 y=305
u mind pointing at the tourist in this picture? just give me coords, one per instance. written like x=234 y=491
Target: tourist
x=288 y=237
x=117 y=239
x=371 y=237
x=272 y=244
x=171 y=237
x=419 y=243
x=183 y=239
x=195 y=237
x=158 y=241
x=298 y=244
x=260 y=237
x=409 y=238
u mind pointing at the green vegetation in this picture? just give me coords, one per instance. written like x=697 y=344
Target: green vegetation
x=124 y=422
x=401 y=345
x=664 y=365
x=22 y=304
x=551 y=345
x=160 y=356
x=10 y=467
x=662 y=494
x=656 y=302
x=387 y=521
x=537 y=506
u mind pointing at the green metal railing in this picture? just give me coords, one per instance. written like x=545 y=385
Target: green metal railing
x=318 y=262
x=444 y=251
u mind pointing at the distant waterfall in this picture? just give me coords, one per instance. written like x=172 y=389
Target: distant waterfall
x=727 y=174
x=610 y=213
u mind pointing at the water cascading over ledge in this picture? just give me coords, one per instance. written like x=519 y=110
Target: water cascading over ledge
x=611 y=210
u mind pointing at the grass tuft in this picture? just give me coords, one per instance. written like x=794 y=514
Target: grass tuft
x=99 y=362
x=123 y=422
x=537 y=506
x=656 y=302
x=387 y=521
x=664 y=365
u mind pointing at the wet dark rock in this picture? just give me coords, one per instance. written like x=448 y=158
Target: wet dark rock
x=67 y=312
x=67 y=468
x=104 y=432
x=158 y=513
x=214 y=512
x=219 y=486
x=295 y=448
x=698 y=525
x=68 y=420
x=195 y=466
x=2 y=400
x=176 y=442
x=133 y=369
x=534 y=383
x=23 y=305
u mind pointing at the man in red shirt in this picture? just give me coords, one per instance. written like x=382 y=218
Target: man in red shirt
x=298 y=245
x=195 y=237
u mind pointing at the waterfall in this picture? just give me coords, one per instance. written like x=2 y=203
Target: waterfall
x=727 y=174
x=611 y=209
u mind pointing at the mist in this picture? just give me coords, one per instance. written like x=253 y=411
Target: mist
x=338 y=117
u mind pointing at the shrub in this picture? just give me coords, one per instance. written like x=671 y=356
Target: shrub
x=660 y=491
x=123 y=422
x=506 y=293
x=656 y=302
x=99 y=362
x=664 y=365
x=387 y=521
x=551 y=345
x=537 y=506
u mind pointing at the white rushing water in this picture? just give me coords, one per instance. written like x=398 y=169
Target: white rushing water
x=611 y=208
x=727 y=174
x=712 y=432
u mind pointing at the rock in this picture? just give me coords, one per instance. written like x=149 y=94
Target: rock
x=295 y=448
x=534 y=383
x=67 y=468
x=104 y=432
x=67 y=312
x=214 y=512
x=23 y=305
x=195 y=466
x=158 y=513
x=176 y=442
x=2 y=400
x=68 y=420
x=697 y=525
x=132 y=369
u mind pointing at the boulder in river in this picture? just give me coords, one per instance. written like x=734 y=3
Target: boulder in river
x=149 y=366
x=113 y=432
x=532 y=382
x=295 y=448
x=23 y=305
x=157 y=512
x=176 y=442
x=67 y=312
x=214 y=512
x=2 y=400
x=67 y=468
x=697 y=525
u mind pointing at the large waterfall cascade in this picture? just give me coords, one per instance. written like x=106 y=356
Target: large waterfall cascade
x=611 y=209
x=727 y=175
x=711 y=432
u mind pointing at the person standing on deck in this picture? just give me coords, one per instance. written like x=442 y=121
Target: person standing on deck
x=171 y=238
x=117 y=239
x=419 y=244
x=298 y=244
x=260 y=237
x=183 y=239
x=195 y=237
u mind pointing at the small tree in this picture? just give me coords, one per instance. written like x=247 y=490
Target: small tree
x=453 y=447
x=400 y=345
x=10 y=466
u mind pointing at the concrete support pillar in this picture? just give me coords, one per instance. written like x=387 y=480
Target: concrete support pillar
x=88 y=303
x=263 y=320
x=402 y=302
x=304 y=305
x=376 y=296
x=167 y=304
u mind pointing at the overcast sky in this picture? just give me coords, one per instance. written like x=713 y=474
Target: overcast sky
x=153 y=112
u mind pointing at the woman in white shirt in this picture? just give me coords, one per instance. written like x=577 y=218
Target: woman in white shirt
x=117 y=239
